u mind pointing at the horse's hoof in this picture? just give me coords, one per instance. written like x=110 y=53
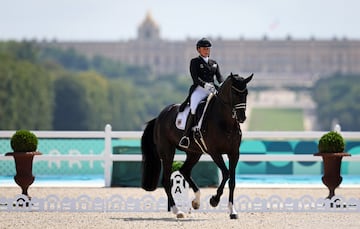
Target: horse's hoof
x=233 y=216
x=195 y=205
x=180 y=215
x=213 y=201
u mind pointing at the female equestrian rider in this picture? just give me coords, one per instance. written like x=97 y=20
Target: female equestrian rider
x=202 y=70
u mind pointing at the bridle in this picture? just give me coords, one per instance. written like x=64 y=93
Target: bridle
x=237 y=106
x=234 y=107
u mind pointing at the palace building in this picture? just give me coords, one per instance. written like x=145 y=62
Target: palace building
x=287 y=61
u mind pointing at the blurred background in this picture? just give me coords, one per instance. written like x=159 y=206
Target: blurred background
x=78 y=65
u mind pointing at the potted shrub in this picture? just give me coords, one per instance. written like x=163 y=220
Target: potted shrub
x=24 y=145
x=331 y=148
x=176 y=165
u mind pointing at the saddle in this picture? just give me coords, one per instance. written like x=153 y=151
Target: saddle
x=200 y=117
x=200 y=113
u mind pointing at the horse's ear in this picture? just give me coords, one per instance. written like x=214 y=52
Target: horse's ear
x=247 y=80
x=232 y=76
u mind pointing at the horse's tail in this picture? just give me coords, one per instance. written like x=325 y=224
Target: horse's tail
x=151 y=164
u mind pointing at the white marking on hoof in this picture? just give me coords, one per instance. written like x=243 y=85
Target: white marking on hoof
x=233 y=213
x=180 y=215
x=196 y=202
x=174 y=209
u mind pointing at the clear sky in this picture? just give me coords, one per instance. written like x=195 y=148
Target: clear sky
x=179 y=19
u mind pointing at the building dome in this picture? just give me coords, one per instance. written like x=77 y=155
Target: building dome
x=148 y=29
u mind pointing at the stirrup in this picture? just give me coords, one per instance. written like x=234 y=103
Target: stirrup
x=184 y=142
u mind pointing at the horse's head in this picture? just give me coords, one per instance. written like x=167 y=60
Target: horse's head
x=234 y=92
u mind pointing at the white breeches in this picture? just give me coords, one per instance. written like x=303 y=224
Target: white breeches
x=198 y=94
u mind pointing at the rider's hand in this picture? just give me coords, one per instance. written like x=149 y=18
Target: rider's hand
x=210 y=87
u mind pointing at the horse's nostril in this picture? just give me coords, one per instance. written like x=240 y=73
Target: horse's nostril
x=243 y=119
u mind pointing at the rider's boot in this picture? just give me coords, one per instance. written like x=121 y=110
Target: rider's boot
x=185 y=140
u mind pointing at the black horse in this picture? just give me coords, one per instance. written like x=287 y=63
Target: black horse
x=220 y=132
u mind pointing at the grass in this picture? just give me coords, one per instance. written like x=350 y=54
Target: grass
x=276 y=119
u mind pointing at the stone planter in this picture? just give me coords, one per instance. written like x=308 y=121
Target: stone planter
x=332 y=170
x=23 y=162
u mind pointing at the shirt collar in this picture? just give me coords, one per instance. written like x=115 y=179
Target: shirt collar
x=206 y=59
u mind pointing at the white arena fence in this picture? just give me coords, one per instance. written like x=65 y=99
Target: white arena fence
x=108 y=157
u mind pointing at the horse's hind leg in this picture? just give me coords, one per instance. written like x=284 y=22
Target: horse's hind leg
x=185 y=170
x=167 y=160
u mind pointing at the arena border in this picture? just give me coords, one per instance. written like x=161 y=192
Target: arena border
x=149 y=203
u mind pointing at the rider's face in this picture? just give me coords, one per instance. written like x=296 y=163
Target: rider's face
x=204 y=51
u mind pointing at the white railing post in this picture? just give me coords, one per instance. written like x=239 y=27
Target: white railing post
x=337 y=128
x=107 y=156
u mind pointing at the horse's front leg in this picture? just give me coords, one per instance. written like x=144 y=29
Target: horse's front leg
x=219 y=161
x=233 y=160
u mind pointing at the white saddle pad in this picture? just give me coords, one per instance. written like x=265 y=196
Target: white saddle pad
x=181 y=118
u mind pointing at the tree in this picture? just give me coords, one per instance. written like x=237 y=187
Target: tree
x=25 y=95
x=337 y=100
x=68 y=58
x=70 y=110
x=81 y=102
x=21 y=51
x=127 y=105
x=70 y=95
x=97 y=102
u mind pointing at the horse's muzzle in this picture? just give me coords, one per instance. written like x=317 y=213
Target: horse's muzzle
x=242 y=120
